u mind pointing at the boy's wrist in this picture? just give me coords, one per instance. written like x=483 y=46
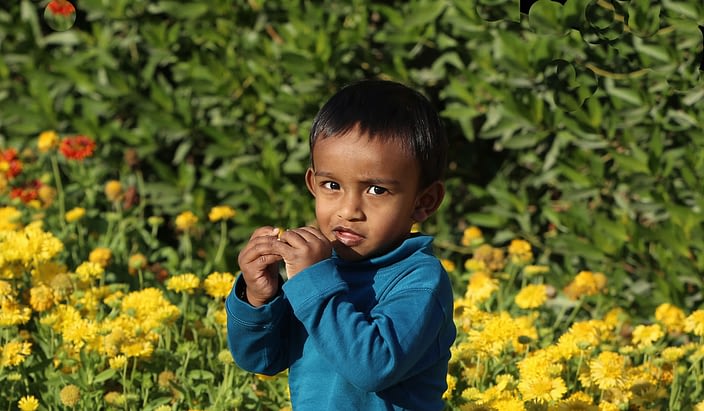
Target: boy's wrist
x=243 y=294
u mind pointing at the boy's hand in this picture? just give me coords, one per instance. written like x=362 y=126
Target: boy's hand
x=259 y=264
x=301 y=248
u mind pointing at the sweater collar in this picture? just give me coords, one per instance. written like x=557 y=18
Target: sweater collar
x=415 y=242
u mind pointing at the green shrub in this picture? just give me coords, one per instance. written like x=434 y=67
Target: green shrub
x=576 y=127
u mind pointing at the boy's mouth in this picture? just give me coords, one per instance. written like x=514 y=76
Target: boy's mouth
x=347 y=237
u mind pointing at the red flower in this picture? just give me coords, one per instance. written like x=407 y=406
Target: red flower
x=61 y=7
x=27 y=193
x=9 y=163
x=77 y=147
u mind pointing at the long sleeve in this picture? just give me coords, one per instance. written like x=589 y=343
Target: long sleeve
x=258 y=337
x=399 y=336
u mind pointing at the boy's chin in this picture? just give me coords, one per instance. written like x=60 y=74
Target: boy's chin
x=346 y=253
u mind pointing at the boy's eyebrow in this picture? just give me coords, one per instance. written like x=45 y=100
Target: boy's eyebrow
x=370 y=181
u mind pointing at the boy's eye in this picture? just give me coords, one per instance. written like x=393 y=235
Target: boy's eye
x=331 y=185
x=376 y=190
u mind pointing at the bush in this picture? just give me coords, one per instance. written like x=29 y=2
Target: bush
x=574 y=127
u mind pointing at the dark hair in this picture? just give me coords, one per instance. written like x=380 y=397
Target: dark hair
x=387 y=110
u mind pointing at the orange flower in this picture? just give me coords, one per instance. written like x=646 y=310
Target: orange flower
x=9 y=163
x=77 y=147
x=61 y=7
x=27 y=193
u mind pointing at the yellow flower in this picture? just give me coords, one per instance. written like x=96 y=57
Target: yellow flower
x=12 y=313
x=492 y=336
x=694 y=323
x=101 y=256
x=225 y=357
x=183 y=283
x=46 y=194
x=542 y=388
x=114 y=398
x=448 y=265
x=186 y=220
x=41 y=298
x=451 y=384
x=585 y=283
x=14 y=353
x=472 y=236
x=492 y=257
x=473 y=265
x=672 y=354
x=221 y=317
x=88 y=271
x=166 y=378
x=481 y=286
x=7 y=291
x=142 y=349
x=532 y=296
x=136 y=262
x=646 y=335
x=47 y=140
x=28 y=403
x=80 y=332
x=520 y=251
x=699 y=406
x=221 y=213
x=218 y=285
x=75 y=214
x=62 y=285
x=113 y=190
x=608 y=406
x=671 y=316
x=9 y=218
x=607 y=370
x=117 y=362
x=70 y=395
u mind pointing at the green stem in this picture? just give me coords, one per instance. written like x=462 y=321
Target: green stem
x=59 y=189
x=187 y=250
x=142 y=194
x=222 y=242
x=184 y=310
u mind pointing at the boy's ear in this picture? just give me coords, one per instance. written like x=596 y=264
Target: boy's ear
x=428 y=201
x=310 y=181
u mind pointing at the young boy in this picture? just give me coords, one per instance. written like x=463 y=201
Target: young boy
x=364 y=321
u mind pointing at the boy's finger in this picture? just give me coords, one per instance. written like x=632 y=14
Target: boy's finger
x=282 y=248
x=294 y=238
x=264 y=231
x=314 y=232
x=256 y=247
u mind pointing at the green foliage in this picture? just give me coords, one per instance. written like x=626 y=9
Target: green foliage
x=576 y=126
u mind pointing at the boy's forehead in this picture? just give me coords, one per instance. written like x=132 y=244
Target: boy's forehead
x=364 y=141
x=375 y=157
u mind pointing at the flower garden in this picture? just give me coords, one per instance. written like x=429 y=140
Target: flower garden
x=97 y=312
x=142 y=142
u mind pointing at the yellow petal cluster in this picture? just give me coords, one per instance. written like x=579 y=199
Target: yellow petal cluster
x=222 y=212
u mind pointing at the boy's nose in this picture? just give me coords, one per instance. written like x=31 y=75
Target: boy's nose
x=351 y=208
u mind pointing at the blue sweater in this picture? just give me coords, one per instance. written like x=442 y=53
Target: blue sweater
x=367 y=335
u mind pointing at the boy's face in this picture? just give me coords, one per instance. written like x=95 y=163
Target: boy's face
x=367 y=194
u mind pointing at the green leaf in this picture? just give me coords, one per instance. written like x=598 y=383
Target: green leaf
x=200 y=375
x=488 y=220
x=179 y=9
x=105 y=375
x=545 y=17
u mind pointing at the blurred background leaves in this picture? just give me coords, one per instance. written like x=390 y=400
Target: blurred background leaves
x=577 y=127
